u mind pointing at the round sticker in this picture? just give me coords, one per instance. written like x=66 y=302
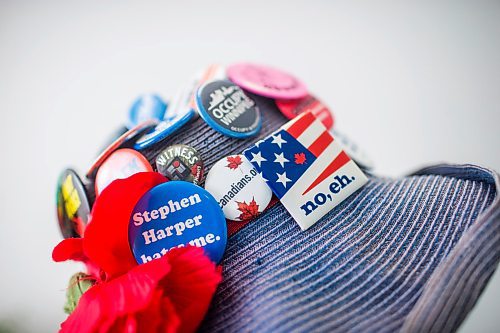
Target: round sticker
x=180 y=162
x=73 y=207
x=124 y=140
x=164 y=129
x=238 y=188
x=227 y=109
x=120 y=164
x=173 y=215
x=146 y=107
x=266 y=81
x=292 y=108
x=355 y=152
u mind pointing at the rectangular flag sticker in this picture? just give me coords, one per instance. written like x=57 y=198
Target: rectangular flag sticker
x=306 y=169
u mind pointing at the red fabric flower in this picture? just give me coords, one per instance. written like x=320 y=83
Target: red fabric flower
x=170 y=294
x=105 y=241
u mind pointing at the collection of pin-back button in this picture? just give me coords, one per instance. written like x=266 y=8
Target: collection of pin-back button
x=238 y=187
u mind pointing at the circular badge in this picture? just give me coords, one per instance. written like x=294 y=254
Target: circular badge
x=227 y=109
x=122 y=163
x=176 y=214
x=124 y=140
x=355 y=152
x=238 y=188
x=146 y=107
x=164 y=129
x=73 y=207
x=292 y=108
x=266 y=81
x=180 y=162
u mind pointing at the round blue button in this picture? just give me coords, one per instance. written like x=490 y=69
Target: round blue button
x=164 y=129
x=176 y=214
x=227 y=109
x=146 y=107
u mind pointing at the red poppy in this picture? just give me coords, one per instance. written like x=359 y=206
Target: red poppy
x=170 y=294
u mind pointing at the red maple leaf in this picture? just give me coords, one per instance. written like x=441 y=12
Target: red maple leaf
x=300 y=158
x=234 y=162
x=194 y=169
x=248 y=211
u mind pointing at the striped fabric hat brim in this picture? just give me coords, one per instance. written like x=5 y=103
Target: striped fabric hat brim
x=410 y=254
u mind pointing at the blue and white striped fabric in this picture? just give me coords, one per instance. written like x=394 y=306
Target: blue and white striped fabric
x=410 y=254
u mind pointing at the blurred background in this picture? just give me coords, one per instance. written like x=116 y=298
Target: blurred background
x=413 y=84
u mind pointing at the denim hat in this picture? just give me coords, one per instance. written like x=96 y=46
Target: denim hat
x=408 y=254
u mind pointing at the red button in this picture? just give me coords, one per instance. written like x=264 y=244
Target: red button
x=293 y=107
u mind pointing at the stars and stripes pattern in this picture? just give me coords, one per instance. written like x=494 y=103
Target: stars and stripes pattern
x=286 y=155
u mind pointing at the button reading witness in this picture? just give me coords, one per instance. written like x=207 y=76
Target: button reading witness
x=180 y=162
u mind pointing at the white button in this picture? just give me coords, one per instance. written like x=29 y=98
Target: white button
x=238 y=188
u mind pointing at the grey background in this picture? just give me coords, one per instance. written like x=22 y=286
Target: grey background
x=414 y=84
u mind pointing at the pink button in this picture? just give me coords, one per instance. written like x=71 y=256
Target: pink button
x=266 y=81
x=292 y=108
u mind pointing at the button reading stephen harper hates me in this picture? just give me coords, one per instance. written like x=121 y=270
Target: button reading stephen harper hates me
x=173 y=215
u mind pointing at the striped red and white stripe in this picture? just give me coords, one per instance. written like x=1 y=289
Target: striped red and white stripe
x=311 y=133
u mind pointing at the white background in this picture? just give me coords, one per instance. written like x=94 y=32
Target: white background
x=413 y=84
